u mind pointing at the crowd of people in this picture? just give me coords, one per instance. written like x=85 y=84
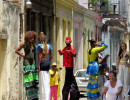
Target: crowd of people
x=42 y=81
x=108 y=83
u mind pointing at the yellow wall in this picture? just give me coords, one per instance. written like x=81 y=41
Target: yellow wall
x=64 y=28
x=3 y=69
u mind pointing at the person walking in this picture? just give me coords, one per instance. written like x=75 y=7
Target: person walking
x=92 y=70
x=113 y=88
x=122 y=68
x=102 y=62
x=69 y=53
x=44 y=50
x=30 y=72
x=54 y=80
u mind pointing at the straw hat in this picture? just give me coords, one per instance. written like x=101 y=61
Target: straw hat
x=54 y=64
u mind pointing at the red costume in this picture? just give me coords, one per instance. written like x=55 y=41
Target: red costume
x=68 y=58
x=68 y=62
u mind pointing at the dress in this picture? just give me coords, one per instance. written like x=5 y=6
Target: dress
x=30 y=73
x=92 y=70
x=111 y=93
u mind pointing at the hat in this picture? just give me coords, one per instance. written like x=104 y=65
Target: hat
x=113 y=64
x=92 y=41
x=68 y=39
x=54 y=64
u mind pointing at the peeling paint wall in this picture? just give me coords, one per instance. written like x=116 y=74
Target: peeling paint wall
x=11 y=86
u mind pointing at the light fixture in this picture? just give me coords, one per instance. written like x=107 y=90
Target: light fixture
x=28 y=4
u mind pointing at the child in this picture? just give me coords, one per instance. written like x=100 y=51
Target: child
x=54 y=80
x=30 y=72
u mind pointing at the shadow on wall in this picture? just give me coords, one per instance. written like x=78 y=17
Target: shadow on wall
x=3 y=46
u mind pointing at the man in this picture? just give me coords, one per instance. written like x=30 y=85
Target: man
x=69 y=53
x=114 y=68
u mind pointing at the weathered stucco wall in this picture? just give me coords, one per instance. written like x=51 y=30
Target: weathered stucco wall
x=10 y=71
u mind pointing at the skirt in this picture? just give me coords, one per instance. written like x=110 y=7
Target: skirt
x=92 y=87
x=44 y=82
x=30 y=75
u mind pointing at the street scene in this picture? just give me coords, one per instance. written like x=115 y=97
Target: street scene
x=64 y=50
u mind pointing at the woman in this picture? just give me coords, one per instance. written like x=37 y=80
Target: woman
x=122 y=67
x=44 y=66
x=92 y=70
x=30 y=72
x=113 y=88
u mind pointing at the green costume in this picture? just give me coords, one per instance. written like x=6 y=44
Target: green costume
x=30 y=72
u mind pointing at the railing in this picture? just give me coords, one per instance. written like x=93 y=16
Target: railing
x=111 y=8
x=105 y=7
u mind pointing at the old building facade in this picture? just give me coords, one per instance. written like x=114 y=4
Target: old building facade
x=16 y=19
x=57 y=19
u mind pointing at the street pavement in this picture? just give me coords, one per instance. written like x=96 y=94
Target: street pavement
x=84 y=98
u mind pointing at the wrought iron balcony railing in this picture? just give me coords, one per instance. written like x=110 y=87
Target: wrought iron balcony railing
x=105 y=7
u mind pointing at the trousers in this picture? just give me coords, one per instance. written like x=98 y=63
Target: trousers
x=54 y=90
x=123 y=76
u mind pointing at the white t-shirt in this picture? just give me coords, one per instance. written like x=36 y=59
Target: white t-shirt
x=111 y=93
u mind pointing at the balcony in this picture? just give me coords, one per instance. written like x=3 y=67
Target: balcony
x=107 y=9
x=111 y=10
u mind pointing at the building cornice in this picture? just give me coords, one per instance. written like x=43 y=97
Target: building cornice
x=67 y=3
x=85 y=12
x=3 y=36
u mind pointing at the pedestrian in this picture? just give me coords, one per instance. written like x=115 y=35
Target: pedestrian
x=92 y=69
x=114 y=68
x=129 y=94
x=69 y=53
x=113 y=88
x=30 y=72
x=106 y=73
x=44 y=50
x=122 y=68
x=102 y=65
x=54 y=80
